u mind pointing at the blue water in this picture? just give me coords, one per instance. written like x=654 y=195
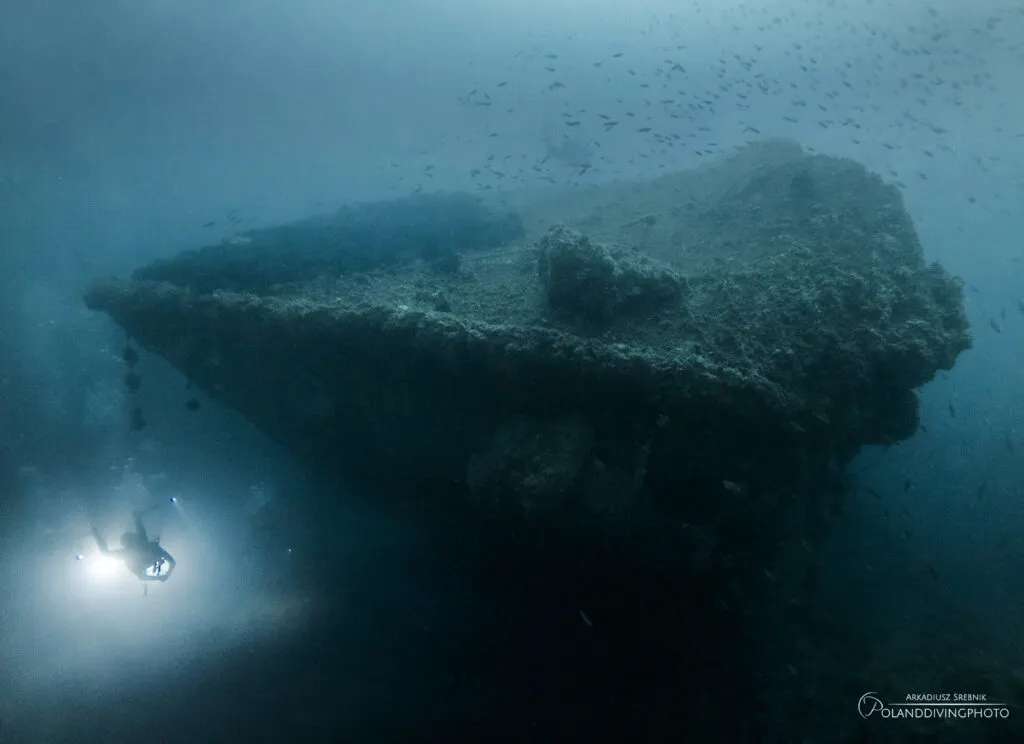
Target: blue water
x=305 y=610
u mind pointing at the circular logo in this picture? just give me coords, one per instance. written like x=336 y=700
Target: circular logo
x=869 y=704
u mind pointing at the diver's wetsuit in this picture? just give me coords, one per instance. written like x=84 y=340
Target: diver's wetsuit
x=142 y=556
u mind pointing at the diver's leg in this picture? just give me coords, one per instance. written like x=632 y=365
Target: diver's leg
x=140 y=528
x=100 y=542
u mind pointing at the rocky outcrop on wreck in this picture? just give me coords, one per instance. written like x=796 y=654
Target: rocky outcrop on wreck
x=688 y=357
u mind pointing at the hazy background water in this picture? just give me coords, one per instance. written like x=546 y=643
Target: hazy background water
x=126 y=127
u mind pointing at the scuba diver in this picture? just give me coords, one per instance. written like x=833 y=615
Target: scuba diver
x=142 y=556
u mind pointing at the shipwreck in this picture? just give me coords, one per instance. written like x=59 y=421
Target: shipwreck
x=680 y=366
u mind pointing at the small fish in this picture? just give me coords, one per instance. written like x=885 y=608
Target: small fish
x=732 y=486
x=1009 y=444
x=211 y=223
x=994 y=325
x=132 y=381
x=192 y=404
x=906 y=485
x=769 y=575
x=130 y=356
x=952 y=411
x=586 y=619
x=1020 y=305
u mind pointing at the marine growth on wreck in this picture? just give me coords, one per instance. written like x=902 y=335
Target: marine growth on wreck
x=679 y=368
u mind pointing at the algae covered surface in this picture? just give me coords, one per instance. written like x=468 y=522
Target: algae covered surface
x=774 y=307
